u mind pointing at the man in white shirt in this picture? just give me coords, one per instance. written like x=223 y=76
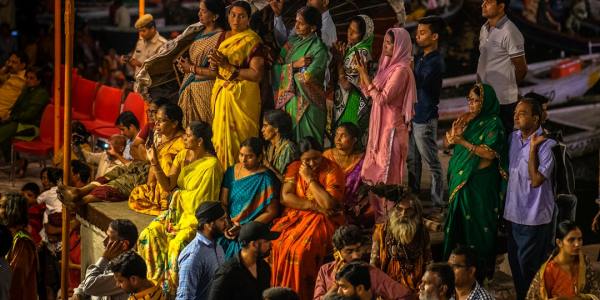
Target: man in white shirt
x=502 y=58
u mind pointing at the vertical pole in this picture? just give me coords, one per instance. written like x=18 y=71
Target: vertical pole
x=57 y=63
x=69 y=28
x=141 y=8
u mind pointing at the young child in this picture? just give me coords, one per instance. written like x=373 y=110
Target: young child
x=35 y=210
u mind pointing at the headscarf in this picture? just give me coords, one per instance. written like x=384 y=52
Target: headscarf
x=401 y=58
x=484 y=130
x=368 y=37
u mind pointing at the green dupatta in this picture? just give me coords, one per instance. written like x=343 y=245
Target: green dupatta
x=307 y=84
x=352 y=106
x=485 y=130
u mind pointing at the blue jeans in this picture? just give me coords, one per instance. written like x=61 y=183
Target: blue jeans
x=423 y=144
x=528 y=248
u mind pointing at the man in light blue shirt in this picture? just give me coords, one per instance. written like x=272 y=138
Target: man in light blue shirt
x=203 y=255
x=530 y=202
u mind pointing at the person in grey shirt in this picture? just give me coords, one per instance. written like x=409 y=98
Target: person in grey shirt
x=99 y=282
x=502 y=61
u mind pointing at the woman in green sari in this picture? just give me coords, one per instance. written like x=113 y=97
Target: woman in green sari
x=250 y=192
x=299 y=75
x=350 y=104
x=476 y=178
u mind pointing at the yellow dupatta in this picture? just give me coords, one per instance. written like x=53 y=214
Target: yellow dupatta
x=235 y=103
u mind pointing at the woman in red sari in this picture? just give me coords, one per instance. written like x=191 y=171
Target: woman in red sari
x=312 y=192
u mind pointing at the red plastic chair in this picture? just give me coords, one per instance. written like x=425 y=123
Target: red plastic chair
x=106 y=108
x=133 y=103
x=82 y=100
x=42 y=146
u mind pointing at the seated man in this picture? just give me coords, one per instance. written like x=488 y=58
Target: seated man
x=129 y=271
x=463 y=261
x=114 y=186
x=437 y=283
x=112 y=157
x=99 y=281
x=349 y=245
x=12 y=81
x=353 y=280
x=129 y=126
x=25 y=115
x=401 y=247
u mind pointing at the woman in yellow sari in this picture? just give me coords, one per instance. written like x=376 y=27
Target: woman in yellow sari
x=238 y=66
x=194 y=177
x=151 y=198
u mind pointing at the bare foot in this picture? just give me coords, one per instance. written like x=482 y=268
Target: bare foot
x=68 y=195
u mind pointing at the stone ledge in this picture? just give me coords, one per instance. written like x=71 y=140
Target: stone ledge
x=95 y=219
x=100 y=214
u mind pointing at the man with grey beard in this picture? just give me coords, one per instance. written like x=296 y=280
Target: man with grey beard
x=401 y=247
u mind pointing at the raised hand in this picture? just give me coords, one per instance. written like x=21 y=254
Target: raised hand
x=536 y=139
x=302 y=62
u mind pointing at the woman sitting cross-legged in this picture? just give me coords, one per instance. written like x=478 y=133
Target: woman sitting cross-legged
x=167 y=142
x=312 y=193
x=250 y=192
x=194 y=177
x=568 y=273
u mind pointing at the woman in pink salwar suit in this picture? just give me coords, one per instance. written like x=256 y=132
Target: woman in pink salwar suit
x=393 y=92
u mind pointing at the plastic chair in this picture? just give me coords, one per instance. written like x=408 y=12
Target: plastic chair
x=42 y=146
x=82 y=101
x=106 y=108
x=133 y=103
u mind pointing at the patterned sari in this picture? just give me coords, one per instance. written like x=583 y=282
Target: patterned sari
x=300 y=92
x=248 y=199
x=476 y=194
x=351 y=105
x=353 y=184
x=194 y=94
x=281 y=155
x=585 y=286
x=151 y=198
x=306 y=235
x=235 y=103
x=164 y=238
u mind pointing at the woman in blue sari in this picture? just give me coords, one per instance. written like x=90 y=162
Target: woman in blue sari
x=250 y=192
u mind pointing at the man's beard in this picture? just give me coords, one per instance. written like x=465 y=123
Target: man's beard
x=403 y=229
x=263 y=255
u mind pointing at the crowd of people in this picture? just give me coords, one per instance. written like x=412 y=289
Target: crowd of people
x=250 y=204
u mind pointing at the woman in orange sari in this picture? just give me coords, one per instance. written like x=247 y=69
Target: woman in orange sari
x=312 y=193
x=348 y=154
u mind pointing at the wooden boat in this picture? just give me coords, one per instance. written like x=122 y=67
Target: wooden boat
x=559 y=90
x=582 y=132
x=573 y=43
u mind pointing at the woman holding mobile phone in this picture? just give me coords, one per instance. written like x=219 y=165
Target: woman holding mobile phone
x=250 y=192
x=151 y=198
x=351 y=105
